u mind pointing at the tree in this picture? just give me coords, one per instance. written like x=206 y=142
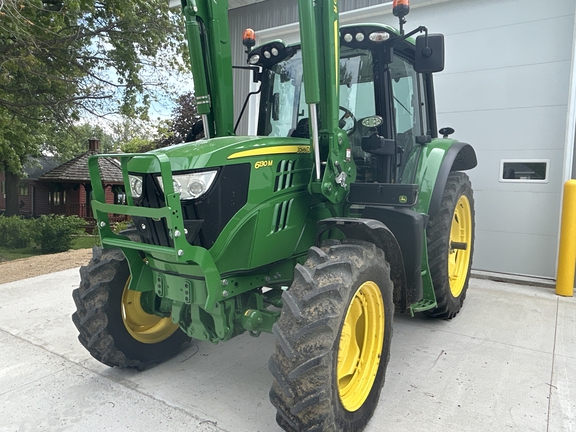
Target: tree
x=60 y=60
x=142 y=136
x=134 y=136
x=181 y=127
x=74 y=141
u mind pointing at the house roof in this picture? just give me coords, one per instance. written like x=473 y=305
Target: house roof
x=76 y=170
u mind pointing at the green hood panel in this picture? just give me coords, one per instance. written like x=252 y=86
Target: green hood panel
x=217 y=152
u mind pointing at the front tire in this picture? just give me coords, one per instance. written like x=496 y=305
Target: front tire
x=113 y=326
x=333 y=339
x=451 y=246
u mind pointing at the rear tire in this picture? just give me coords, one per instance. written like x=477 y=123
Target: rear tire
x=112 y=324
x=448 y=231
x=333 y=339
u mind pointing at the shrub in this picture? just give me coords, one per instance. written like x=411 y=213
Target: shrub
x=121 y=226
x=53 y=233
x=15 y=232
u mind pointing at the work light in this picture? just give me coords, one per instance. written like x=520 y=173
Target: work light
x=135 y=186
x=192 y=185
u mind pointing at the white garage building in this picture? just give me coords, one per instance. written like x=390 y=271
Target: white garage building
x=509 y=89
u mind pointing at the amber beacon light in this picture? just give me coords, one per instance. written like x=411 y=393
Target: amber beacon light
x=249 y=39
x=400 y=8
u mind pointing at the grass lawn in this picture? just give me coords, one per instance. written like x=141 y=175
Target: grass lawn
x=85 y=242
x=79 y=242
x=12 y=254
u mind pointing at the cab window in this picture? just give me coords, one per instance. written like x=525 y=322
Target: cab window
x=407 y=90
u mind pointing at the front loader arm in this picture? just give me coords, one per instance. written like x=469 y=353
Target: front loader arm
x=319 y=30
x=208 y=34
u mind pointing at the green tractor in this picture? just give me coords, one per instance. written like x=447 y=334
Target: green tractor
x=345 y=208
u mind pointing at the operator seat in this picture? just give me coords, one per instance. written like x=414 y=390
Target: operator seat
x=302 y=129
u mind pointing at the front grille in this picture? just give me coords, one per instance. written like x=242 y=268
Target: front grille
x=205 y=217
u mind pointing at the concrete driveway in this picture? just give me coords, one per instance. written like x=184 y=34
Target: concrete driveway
x=506 y=362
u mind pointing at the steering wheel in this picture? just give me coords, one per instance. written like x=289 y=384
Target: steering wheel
x=343 y=121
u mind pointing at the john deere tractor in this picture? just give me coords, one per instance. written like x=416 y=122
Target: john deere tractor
x=345 y=208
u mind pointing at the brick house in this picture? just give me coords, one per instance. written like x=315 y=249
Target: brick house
x=33 y=196
x=65 y=189
x=70 y=188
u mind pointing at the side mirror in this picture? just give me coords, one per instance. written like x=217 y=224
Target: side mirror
x=378 y=145
x=429 y=53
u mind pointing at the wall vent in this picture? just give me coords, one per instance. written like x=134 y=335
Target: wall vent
x=524 y=170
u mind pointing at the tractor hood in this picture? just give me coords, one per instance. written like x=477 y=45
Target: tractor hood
x=217 y=152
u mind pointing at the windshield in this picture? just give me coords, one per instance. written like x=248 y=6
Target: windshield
x=284 y=113
x=357 y=83
x=283 y=109
x=282 y=104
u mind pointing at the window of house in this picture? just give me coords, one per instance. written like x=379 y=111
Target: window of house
x=58 y=198
x=119 y=198
x=3 y=187
x=23 y=189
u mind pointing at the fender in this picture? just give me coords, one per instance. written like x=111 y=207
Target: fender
x=439 y=159
x=376 y=232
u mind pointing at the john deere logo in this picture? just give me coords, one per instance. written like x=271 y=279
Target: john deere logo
x=403 y=199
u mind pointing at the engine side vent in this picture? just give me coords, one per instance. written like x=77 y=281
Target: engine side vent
x=284 y=175
x=281 y=215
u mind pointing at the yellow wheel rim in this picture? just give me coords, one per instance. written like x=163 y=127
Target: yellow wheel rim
x=459 y=258
x=360 y=346
x=142 y=326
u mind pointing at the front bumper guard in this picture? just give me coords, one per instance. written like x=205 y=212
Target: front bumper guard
x=182 y=252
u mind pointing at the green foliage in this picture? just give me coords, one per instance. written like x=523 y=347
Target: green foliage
x=142 y=136
x=53 y=233
x=9 y=254
x=137 y=145
x=15 y=232
x=179 y=128
x=121 y=226
x=85 y=241
x=73 y=141
x=133 y=136
x=60 y=61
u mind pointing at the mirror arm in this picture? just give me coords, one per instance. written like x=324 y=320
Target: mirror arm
x=426 y=52
x=254 y=93
x=403 y=37
x=256 y=76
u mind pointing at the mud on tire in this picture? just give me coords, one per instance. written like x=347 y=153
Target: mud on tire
x=100 y=321
x=309 y=388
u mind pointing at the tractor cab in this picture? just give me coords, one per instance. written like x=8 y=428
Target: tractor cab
x=386 y=107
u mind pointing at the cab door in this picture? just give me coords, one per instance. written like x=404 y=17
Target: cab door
x=410 y=123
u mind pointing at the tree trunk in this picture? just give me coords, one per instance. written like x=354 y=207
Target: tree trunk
x=12 y=190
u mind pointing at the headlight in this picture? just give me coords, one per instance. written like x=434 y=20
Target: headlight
x=191 y=186
x=379 y=36
x=135 y=186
